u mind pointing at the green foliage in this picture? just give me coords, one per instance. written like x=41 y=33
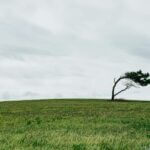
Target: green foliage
x=74 y=125
x=139 y=77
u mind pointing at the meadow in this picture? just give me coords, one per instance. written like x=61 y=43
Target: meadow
x=74 y=124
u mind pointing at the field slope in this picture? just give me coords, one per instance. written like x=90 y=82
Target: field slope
x=74 y=125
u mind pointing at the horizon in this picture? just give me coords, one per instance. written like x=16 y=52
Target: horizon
x=70 y=99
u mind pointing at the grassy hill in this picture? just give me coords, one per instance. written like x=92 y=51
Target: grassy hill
x=74 y=125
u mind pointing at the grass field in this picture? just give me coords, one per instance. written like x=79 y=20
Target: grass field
x=74 y=125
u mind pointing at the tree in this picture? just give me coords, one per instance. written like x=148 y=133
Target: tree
x=133 y=79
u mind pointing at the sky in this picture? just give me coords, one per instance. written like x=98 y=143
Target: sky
x=72 y=49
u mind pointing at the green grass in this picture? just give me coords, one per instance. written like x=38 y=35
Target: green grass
x=74 y=125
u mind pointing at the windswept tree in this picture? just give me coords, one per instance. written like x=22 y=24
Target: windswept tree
x=133 y=79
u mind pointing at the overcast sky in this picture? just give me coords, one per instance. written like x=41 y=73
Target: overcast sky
x=72 y=48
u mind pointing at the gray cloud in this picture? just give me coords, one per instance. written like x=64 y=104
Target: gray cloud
x=71 y=48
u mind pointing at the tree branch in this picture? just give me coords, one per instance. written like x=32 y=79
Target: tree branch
x=126 y=88
x=114 y=80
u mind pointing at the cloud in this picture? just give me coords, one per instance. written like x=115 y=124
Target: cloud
x=71 y=48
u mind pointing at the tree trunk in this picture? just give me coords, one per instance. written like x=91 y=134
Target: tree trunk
x=114 y=86
x=113 y=92
x=113 y=97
